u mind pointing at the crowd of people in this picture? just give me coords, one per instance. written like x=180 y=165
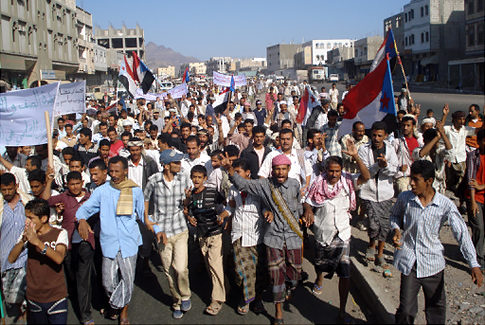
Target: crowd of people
x=244 y=186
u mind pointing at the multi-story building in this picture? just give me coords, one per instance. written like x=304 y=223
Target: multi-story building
x=336 y=59
x=396 y=23
x=84 y=25
x=433 y=35
x=166 y=72
x=195 y=68
x=218 y=64
x=250 y=64
x=303 y=57
x=125 y=40
x=468 y=72
x=38 y=41
x=320 y=48
x=365 y=50
x=281 y=56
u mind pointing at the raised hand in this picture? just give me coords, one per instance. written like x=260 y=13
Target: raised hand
x=446 y=109
x=351 y=148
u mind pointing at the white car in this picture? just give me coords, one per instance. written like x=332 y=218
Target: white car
x=166 y=85
x=333 y=77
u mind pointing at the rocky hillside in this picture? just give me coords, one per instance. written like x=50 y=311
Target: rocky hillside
x=158 y=56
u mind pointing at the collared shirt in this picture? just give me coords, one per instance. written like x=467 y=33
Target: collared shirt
x=12 y=227
x=297 y=171
x=135 y=172
x=203 y=160
x=168 y=200
x=421 y=234
x=19 y=160
x=380 y=186
x=458 y=140
x=278 y=232
x=118 y=232
x=403 y=155
x=247 y=218
x=331 y=139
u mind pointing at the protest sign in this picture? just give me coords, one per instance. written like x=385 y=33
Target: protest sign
x=175 y=92
x=178 y=91
x=22 y=121
x=71 y=98
x=225 y=80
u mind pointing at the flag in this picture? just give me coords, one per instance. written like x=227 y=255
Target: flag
x=388 y=47
x=371 y=100
x=126 y=77
x=186 y=75
x=307 y=103
x=142 y=74
x=232 y=87
x=220 y=104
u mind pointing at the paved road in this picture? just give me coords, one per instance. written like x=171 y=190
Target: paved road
x=151 y=301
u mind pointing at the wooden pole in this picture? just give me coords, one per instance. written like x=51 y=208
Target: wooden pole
x=404 y=75
x=50 y=149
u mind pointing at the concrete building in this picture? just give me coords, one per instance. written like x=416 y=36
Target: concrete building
x=195 y=68
x=468 y=73
x=250 y=64
x=218 y=64
x=336 y=59
x=365 y=50
x=396 y=23
x=320 y=48
x=281 y=56
x=434 y=34
x=303 y=57
x=38 y=41
x=166 y=72
x=84 y=25
x=125 y=40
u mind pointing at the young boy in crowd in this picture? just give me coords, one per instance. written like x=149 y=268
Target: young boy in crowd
x=200 y=209
x=46 y=286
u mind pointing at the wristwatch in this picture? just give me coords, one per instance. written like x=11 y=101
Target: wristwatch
x=44 y=251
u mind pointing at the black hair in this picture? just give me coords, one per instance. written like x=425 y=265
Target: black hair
x=354 y=126
x=311 y=133
x=231 y=150
x=249 y=120
x=259 y=129
x=137 y=131
x=117 y=159
x=153 y=127
x=285 y=131
x=424 y=168
x=241 y=163
x=429 y=135
x=164 y=137
x=192 y=138
x=285 y=121
x=99 y=163
x=60 y=119
x=39 y=207
x=429 y=111
x=77 y=157
x=68 y=125
x=102 y=124
x=237 y=115
x=35 y=161
x=198 y=169
x=112 y=129
x=185 y=125
x=457 y=114
x=104 y=142
x=37 y=175
x=379 y=125
x=68 y=151
x=125 y=134
x=333 y=113
x=74 y=175
x=334 y=160
x=86 y=132
x=408 y=118
x=217 y=152
x=7 y=179
x=401 y=111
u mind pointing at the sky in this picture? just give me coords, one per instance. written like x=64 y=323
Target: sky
x=244 y=28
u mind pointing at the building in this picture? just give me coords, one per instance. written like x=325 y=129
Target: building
x=434 y=34
x=303 y=57
x=218 y=64
x=336 y=59
x=166 y=72
x=468 y=72
x=84 y=25
x=38 y=40
x=281 y=56
x=250 y=64
x=396 y=23
x=195 y=68
x=125 y=40
x=319 y=48
x=365 y=50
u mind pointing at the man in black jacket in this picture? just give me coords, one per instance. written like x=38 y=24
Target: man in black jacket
x=256 y=152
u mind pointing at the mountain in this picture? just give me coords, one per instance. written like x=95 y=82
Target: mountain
x=158 y=56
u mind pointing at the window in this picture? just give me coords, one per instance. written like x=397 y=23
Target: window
x=480 y=33
x=422 y=11
x=427 y=37
x=480 y=5
x=426 y=10
x=412 y=14
x=470 y=35
x=471 y=7
x=406 y=17
x=412 y=39
x=117 y=43
x=130 y=42
x=422 y=37
x=406 y=41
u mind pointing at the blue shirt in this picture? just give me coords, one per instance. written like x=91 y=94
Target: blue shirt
x=118 y=232
x=13 y=225
x=421 y=234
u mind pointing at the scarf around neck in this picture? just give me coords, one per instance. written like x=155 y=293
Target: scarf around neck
x=319 y=192
x=125 y=201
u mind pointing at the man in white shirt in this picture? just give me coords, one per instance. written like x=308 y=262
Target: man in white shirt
x=333 y=93
x=195 y=156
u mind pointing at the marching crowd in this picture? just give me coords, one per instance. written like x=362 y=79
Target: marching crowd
x=245 y=185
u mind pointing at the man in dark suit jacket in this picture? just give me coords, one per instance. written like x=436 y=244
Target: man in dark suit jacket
x=256 y=152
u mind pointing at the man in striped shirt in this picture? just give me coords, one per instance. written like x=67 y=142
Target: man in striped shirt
x=420 y=213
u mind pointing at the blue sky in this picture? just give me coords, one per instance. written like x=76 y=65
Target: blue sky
x=244 y=28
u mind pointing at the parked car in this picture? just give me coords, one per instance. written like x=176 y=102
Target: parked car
x=166 y=85
x=333 y=77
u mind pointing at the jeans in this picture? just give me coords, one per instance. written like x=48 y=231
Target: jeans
x=434 y=296
x=47 y=313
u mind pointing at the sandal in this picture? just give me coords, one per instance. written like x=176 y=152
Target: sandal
x=317 y=290
x=243 y=310
x=109 y=313
x=380 y=261
x=278 y=321
x=214 y=308
x=370 y=254
x=124 y=321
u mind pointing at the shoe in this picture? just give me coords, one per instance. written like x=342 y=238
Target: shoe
x=360 y=226
x=186 y=305
x=177 y=314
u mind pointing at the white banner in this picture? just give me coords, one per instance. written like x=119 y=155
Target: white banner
x=225 y=80
x=22 y=121
x=175 y=92
x=71 y=98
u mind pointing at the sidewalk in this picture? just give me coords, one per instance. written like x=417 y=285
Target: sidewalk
x=465 y=301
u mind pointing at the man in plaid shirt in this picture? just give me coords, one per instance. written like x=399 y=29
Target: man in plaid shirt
x=330 y=131
x=169 y=225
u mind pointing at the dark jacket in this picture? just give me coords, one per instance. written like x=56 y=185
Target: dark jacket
x=253 y=160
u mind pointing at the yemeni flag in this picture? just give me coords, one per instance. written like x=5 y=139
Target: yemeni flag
x=186 y=76
x=220 y=104
x=388 y=48
x=307 y=103
x=142 y=74
x=126 y=77
x=371 y=100
x=232 y=87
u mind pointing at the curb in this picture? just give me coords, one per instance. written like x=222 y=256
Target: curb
x=381 y=309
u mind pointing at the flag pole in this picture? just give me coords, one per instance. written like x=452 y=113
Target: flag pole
x=50 y=149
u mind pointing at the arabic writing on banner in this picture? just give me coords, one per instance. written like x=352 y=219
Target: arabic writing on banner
x=71 y=98
x=175 y=92
x=22 y=121
x=225 y=80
